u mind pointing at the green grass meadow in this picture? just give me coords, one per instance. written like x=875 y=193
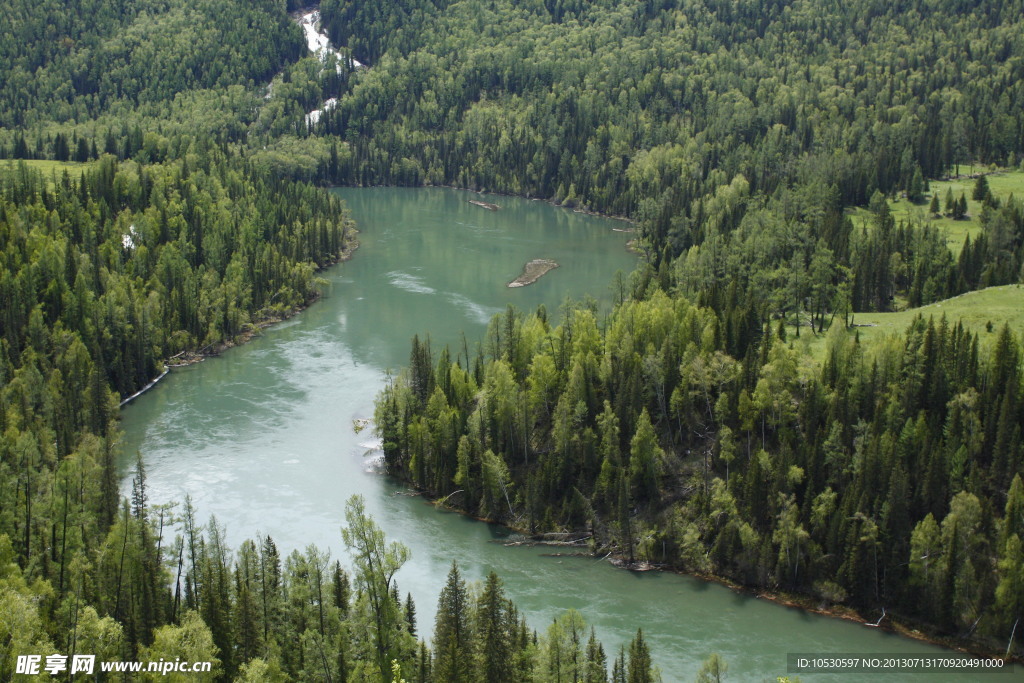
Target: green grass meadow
x=51 y=170
x=1001 y=183
x=978 y=311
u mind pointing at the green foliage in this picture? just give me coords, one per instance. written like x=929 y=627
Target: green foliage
x=650 y=110
x=713 y=670
x=107 y=270
x=376 y=564
x=75 y=60
x=452 y=655
x=766 y=468
x=189 y=642
x=155 y=218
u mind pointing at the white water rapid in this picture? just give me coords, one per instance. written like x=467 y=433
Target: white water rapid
x=320 y=45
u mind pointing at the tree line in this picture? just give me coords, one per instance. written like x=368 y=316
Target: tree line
x=626 y=108
x=262 y=617
x=883 y=478
x=105 y=277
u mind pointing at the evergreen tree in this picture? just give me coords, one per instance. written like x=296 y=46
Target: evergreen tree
x=981 y=192
x=915 y=190
x=597 y=664
x=495 y=634
x=641 y=669
x=960 y=207
x=452 y=634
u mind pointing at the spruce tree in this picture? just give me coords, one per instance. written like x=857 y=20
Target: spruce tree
x=619 y=666
x=640 y=665
x=597 y=663
x=452 y=637
x=981 y=189
x=496 y=630
x=915 y=191
x=410 y=614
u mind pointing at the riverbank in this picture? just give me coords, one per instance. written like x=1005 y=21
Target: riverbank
x=806 y=603
x=575 y=209
x=885 y=622
x=251 y=330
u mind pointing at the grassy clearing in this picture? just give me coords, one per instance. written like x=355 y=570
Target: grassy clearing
x=976 y=310
x=1001 y=183
x=50 y=169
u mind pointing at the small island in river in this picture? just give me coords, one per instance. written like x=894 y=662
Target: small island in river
x=533 y=271
x=486 y=205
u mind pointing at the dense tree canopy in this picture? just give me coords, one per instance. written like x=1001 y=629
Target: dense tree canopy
x=684 y=429
x=839 y=480
x=75 y=60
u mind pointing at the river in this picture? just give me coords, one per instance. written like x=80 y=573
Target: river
x=263 y=438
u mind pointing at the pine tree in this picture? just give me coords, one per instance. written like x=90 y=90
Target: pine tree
x=421 y=370
x=645 y=456
x=1013 y=517
x=61 y=151
x=640 y=665
x=597 y=663
x=341 y=589
x=1010 y=591
x=268 y=586
x=410 y=614
x=981 y=191
x=495 y=634
x=915 y=191
x=960 y=207
x=619 y=666
x=248 y=630
x=452 y=636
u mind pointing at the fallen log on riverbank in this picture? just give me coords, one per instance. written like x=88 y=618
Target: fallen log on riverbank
x=144 y=389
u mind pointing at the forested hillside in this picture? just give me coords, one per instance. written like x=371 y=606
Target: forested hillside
x=75 y=60
x=880 y=479
x=734 y=133
x=685 y=429
x=652 y=106
x=165 y=213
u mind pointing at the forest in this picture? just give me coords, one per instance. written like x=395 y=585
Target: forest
x=687 y=429
x=161 y=197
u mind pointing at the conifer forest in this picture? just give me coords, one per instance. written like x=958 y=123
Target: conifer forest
x=790 y=168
